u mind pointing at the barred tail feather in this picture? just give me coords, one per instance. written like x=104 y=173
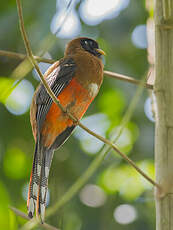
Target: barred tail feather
x=31 y=202
x=39 y=182
x=43 y=188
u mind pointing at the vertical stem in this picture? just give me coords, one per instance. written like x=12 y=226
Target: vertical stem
x=165 y=9
x=163 y=89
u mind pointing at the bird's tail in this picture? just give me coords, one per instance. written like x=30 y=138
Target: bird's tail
x=38 y=186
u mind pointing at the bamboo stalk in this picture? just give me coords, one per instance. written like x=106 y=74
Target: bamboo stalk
x=163 y=89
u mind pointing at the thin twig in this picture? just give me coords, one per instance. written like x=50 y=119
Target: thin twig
x=12 y=54
x=24 y=216
x=127 y=79
x=68 y=9
x=114 y=75
x=106 y=141
x=23 y=56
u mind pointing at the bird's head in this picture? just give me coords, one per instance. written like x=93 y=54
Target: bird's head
x=84 y=44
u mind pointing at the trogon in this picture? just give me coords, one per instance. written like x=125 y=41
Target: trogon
x=75 y=80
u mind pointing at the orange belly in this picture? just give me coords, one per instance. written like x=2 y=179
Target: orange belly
x=76 y=99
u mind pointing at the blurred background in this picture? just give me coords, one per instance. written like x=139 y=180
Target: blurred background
x=116 y=196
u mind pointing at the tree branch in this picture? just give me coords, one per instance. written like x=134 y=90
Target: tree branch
x=114 y=75
x=24 y=216
x=20 y=56
x=127 y=79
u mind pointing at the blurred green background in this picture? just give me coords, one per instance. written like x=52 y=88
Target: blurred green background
x=115 y=197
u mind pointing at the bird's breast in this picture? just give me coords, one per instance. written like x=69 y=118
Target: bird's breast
x=76 y=99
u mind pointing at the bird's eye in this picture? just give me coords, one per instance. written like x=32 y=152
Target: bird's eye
x=90 y=46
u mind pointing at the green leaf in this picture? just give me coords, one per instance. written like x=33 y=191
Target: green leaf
x=6 y=87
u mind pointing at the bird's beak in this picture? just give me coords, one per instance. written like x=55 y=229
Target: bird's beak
x=100 y=51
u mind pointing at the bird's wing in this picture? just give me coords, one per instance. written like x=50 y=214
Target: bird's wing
x=57 y=79
x=58 y=76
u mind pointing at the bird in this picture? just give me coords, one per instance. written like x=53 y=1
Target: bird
x=75 y=80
